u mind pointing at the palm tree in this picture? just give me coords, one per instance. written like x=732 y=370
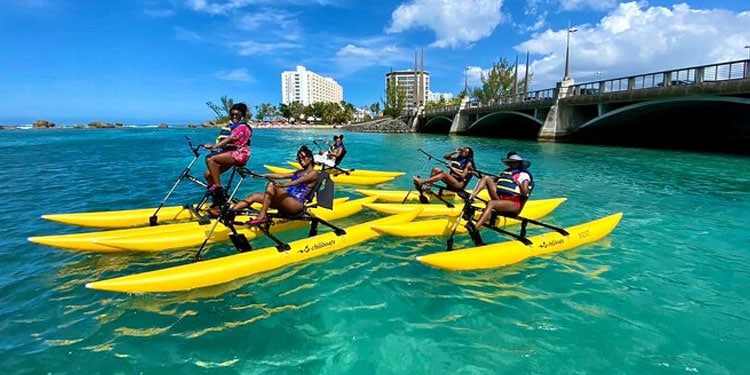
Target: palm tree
x=222 y=112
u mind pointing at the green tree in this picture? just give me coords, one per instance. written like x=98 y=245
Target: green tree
x=265 y=111
x=296 y=109
x=375 y=108
x=284 y=111
x=347 y=112
x=497 y=83
x=367 y=113
x=329 y=112
x=395 y=98
x=442 y=102
x=222 y=111
x=291 y=111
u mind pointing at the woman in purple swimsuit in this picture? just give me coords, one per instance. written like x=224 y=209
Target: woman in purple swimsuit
x=290 y=197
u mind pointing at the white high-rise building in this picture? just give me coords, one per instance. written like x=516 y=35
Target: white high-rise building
x=306 y=87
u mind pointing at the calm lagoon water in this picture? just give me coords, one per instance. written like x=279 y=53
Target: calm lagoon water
x=666 y=293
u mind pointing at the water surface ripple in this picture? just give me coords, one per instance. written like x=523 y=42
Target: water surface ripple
x=666 y=292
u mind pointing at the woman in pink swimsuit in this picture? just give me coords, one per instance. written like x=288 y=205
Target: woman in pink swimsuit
x=234 y=142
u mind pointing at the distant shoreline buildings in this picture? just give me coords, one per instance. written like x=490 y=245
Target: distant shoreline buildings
x=307 y=87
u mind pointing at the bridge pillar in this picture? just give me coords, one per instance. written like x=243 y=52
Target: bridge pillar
x=418 y=112
x=460 y=120
x=559 y=121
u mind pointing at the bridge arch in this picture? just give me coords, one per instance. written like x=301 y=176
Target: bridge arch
x=506 y=124
x=438 y=124
x=686 y=122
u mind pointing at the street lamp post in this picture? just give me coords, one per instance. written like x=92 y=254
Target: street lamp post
x=748 y=51
x=567 y=52
x=466 y=79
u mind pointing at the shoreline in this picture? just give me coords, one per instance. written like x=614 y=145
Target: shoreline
x=381 y=124
x=165 y=126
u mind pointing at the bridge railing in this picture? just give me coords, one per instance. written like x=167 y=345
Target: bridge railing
x=440 y=110
x=726 y=71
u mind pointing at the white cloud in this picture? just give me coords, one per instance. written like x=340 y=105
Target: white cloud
x=160 y=8
x=160 y=13
x=454 y=22
x=237 y=75
x=226 y=6
x=184 y=34
x=217 y=7
x=474 y=75
x=571 y=5
x=250 y=48
x=272 y=23
x=634 y=39
x=352 y=58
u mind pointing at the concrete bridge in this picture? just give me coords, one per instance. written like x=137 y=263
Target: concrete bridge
x=685 y=108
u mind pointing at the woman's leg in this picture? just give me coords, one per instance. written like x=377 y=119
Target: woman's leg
x=248 y=201
x=480 y=185
x=502 y=207
x=207 y=175
x=418 y=182
x=217 y=164
x=452 y=182
x=488 y=183
x=278 y=198
x=492 y=189
x=449 y=180
x=287 y=204
x=266 y=201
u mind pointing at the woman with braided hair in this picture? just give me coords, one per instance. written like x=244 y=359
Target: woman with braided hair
x=287 y=197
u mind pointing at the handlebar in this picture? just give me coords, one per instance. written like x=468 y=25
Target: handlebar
x=194 y=149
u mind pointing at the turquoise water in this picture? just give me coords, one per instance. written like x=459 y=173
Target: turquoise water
x=667 y=292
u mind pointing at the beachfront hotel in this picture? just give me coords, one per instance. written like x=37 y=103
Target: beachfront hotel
x=306 y=87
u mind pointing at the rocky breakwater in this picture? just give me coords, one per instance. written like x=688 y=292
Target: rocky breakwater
x=102 y=125
x=43 y=124
x=210 y=124
x=381 y=125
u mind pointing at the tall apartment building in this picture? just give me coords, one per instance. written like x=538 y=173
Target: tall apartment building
x=306 y=87
x=416 y=84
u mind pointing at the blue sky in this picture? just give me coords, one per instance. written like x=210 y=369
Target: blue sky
x=152 y=61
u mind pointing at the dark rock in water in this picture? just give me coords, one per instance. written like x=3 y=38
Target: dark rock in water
x=381 y=125
x=163 y=126
x=211 y=124
x=100 y=125
x=43 y=124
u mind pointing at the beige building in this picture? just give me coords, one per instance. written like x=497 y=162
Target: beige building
x=416 y=84
x=306 y=87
